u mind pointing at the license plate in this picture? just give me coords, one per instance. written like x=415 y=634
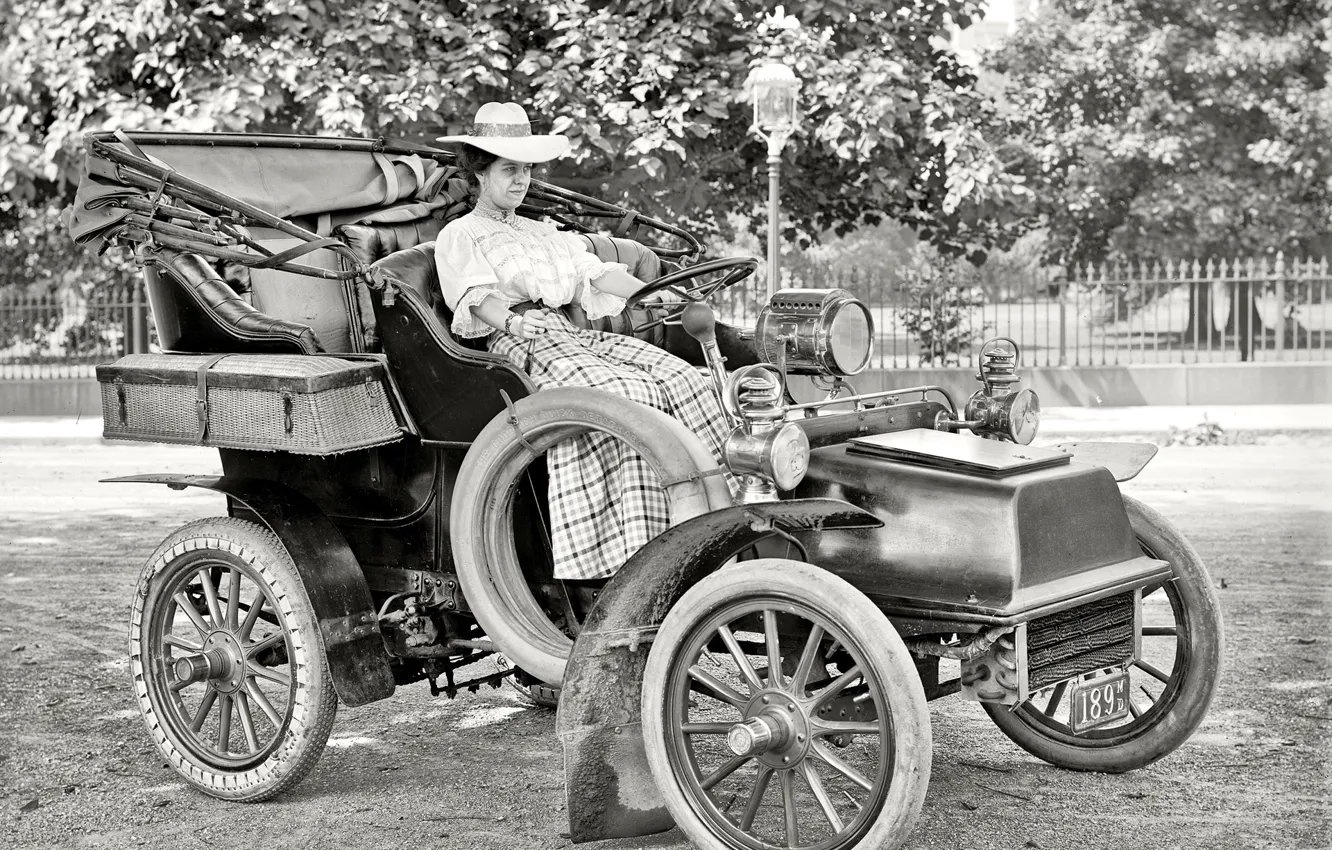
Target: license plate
x=1099 y=701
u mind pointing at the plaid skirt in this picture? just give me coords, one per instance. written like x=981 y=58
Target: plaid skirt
x=605 y=500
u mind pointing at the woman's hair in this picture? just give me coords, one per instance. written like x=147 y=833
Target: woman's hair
x=472 y=160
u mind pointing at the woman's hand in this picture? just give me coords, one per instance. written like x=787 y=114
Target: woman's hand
x=533 y=323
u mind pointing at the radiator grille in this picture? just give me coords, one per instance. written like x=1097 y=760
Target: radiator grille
x=1082 y=639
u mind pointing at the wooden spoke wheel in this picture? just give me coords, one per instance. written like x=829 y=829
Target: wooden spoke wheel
x=227 y=661
x=781 y=709
x=1171 y=683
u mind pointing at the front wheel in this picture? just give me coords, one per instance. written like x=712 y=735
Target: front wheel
x=781 y=709
x=227 y=661
x=1172 y=681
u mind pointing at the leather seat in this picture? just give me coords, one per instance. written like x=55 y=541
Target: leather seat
x=195 y=310
x=374 y=242
x=451 y=390
x=415 y=267
x=643 y=263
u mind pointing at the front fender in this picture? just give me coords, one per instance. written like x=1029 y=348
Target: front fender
x=609 y=789
x=1124 y=460
x=330 y=573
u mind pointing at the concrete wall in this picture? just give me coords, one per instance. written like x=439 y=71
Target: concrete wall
x=77 y=397
x=1084 y=386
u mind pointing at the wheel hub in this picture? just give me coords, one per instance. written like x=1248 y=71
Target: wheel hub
x=775 y=730
x=756 y=735
x=195 y=668
x=222 y=663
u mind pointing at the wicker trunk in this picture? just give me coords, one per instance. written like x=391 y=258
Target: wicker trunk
x=268 y=402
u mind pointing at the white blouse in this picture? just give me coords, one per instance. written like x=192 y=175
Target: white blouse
x=516 y=259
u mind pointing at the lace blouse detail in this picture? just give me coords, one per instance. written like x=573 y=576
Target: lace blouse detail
x=509 y=217
x=487 y=252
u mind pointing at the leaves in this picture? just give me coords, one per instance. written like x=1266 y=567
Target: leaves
x=1173 y=128
x=650 y=94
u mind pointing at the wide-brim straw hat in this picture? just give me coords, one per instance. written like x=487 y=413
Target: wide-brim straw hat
x=503 y=129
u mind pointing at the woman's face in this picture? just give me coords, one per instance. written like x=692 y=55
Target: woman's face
x=504 y=184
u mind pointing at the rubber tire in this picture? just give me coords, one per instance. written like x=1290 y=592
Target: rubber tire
x=480 y=518
x=1189 y=702
x=315 y=703
x=879 y=644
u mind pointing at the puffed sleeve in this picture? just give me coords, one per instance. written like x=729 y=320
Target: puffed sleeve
x=466 y=279
x=588 y=267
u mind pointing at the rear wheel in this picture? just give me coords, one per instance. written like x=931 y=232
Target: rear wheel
x=1172 y=682
x=781 y=709
x=228 y=666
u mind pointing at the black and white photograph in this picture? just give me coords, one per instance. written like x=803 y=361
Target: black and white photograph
x=667 y=425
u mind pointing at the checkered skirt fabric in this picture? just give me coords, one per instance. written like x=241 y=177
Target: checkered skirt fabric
x=605 y=501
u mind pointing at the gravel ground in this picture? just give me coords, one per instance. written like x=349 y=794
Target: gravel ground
x=77 y=768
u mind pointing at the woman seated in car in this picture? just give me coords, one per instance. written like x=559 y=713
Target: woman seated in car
x=605 y=500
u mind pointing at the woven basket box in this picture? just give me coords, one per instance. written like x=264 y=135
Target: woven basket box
x=268 y=402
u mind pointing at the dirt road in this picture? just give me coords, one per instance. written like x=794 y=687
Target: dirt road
x=77 y=768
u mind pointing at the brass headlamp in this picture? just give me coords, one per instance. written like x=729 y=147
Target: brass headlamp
x=996 y=410
x=766 y=452
x=815 y=332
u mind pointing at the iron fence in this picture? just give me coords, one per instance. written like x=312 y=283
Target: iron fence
x=1268 y=309
x=65 y=334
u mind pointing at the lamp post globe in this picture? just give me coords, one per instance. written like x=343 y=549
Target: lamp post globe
x=773 y=89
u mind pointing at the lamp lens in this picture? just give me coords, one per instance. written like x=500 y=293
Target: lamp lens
x=1024 y=417
x=789 y=457
x=776 y=107
x=849 y=338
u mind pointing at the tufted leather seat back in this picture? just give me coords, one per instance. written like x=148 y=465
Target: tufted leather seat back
x=642 y=262
x=374 y=242
x=196 y=310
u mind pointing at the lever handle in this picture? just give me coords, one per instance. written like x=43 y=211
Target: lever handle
x=700 y=322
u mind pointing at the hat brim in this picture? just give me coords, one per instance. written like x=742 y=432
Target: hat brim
x=517 y=148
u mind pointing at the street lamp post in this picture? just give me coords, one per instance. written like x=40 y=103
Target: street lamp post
x=772 y=90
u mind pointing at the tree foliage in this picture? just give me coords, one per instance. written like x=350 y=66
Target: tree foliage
x=1174 y=127
x=651 y=93
x=36 y=254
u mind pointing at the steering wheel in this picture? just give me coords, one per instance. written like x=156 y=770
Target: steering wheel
x=728 y=270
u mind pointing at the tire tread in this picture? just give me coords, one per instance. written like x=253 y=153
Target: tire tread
x=304 y=742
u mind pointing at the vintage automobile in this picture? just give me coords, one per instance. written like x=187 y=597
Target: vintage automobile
x=757 y=674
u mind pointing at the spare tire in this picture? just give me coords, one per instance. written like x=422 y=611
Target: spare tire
x=481 y=516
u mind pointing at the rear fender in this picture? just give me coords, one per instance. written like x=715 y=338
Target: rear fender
x=330 y=573
x=610 y=791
